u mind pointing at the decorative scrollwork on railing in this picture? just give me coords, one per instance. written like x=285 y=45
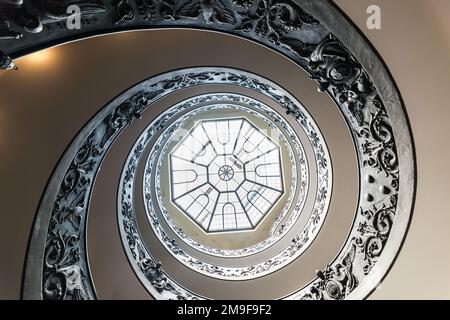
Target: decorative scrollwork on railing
x=280 y=25
x=269 y=21
x=69 y=212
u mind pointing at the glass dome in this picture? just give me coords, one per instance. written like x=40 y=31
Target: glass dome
x=226 y=174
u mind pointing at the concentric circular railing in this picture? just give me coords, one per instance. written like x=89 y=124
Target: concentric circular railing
x=320 y=40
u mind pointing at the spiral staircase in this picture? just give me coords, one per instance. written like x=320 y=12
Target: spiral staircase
x=249 y=150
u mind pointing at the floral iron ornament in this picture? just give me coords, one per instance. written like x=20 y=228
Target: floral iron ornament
x=319 y=39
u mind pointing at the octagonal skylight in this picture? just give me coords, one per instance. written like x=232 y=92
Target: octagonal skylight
x=226 y=174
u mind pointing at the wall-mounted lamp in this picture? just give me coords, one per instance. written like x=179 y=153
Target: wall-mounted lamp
x=6 y=62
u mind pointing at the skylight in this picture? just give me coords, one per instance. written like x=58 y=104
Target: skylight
x=226 y=174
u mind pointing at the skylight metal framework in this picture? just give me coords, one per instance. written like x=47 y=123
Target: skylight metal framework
x=226 y=174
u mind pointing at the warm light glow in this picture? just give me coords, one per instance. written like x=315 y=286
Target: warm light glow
x=39 y=58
